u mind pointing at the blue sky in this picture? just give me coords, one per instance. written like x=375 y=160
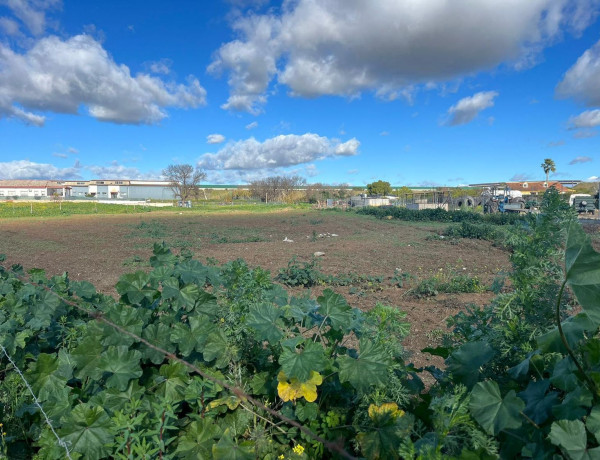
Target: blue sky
x=429 y=92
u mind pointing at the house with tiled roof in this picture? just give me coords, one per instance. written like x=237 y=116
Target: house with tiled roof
x=536 y=187
x=33 y=189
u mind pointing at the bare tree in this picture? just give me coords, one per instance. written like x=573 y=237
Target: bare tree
x=276 y=188
x=184 y=180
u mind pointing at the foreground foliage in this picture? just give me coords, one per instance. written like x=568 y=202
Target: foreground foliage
x=516 y=383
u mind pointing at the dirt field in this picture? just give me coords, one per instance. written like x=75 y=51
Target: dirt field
x=99 y=249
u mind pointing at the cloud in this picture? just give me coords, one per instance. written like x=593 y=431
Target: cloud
x=587 y=119
x=559 y=143
x=389 y=47
x=428 y=183
x=276 y=152
x=311 y=170
x=72 y=150
x=215 y=139
x=585 y=133
x=592 y=179
x=237 y=176
x=581 y=159
x=582 y=80
x=520 y=177
x=25 y=169
x=58 y=75
x=32 y=13
x=252 y=125
x=60 y=155
x=384 y=133
x=9 y=27
x=162 y=67
x=116 y=171
x=465 y=110
x=352 y=171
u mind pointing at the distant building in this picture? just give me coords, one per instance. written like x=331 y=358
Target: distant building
x=363 y=200
x=33 y=189
x=528 y=187
x=99 y=189
x=536 y=187
x=122 y=189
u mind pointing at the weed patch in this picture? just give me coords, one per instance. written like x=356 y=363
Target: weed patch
x=450 y=284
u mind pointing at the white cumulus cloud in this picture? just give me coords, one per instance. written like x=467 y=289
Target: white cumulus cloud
x=587 y=119
x=161 y=67
x=117 y=171
x=344 y=47
x=465 y=110
x=32 y=13
x=276 y=152
x=25 y=169
x=582 y=80
x=215 y=139
x=58 y=75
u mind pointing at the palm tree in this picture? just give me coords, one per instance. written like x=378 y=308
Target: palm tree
x=548 y=166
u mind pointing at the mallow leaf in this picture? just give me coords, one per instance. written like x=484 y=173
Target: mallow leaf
x=198 y=439
x=86 y=357
x=123 y=364
x=162 y=255
x=582 y=268
x=334 y=307
x=263 y=318
x=134 y=288
x=369 y=368
x=465 y=362
x=299 y=363
x=44 y=379
x=87 y=429
x=571 y=437
x=493 y=412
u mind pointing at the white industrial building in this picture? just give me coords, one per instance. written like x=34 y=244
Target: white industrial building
x=14 y=189
x=99 y=189
x=122 y=189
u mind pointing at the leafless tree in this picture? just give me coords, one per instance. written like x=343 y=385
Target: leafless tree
x=276 y=188
x=184 y=180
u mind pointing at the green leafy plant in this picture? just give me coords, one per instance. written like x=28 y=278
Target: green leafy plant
x=301 y=273
x=208 y=361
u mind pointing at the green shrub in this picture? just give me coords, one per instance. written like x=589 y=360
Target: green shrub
x=487 y=232
x=451 y=284
x=439 y=215
x=304 y=274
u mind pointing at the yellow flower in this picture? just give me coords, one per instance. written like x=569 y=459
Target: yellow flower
x=387 y=408
x=294 y=389
x=281 y=457
x=298 y=449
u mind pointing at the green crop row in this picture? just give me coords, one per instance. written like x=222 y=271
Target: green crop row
x=17 y=209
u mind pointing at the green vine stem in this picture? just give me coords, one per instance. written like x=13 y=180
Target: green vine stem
x=590 y=383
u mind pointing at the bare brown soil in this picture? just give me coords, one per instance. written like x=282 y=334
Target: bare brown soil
x=100 y=249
